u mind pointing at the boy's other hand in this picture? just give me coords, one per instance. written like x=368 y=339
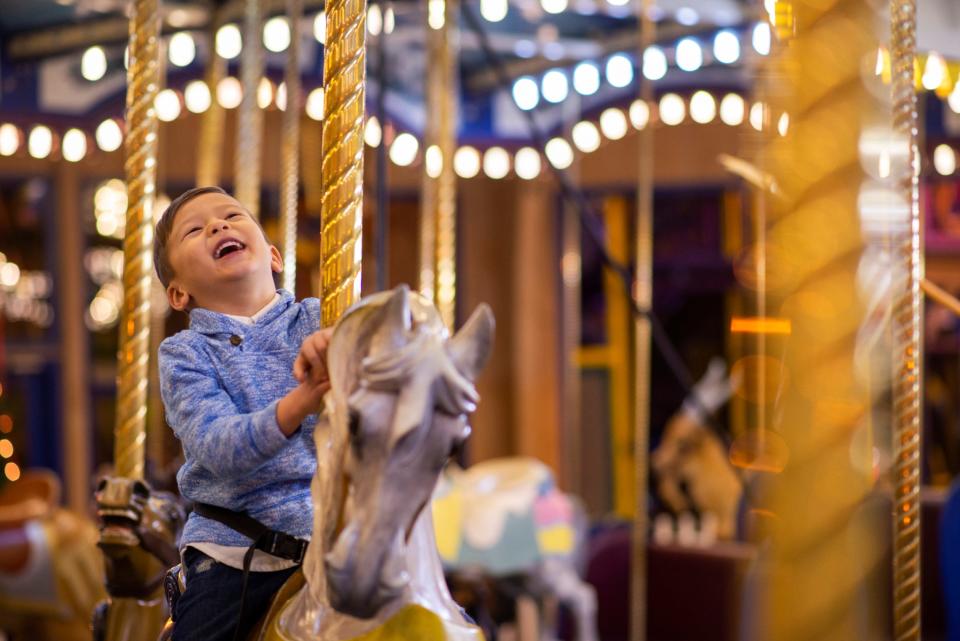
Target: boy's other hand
x=311 y=363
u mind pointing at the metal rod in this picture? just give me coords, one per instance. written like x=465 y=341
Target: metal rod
x=246 y=170
x=290 y=152
x=210 y=149
x=344 y=74
x=143 y=79
x=383 y=204
x=907 y=343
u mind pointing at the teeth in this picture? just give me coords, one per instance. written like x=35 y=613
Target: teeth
x=229 y=243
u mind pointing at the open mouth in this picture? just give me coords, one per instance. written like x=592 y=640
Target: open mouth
x=226 y=247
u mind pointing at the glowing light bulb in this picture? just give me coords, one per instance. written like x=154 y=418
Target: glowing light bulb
x=496 y=163
x=229 y=93
x=372 y=133
x=525 y=93
x=197 y=97
x=280 y=99
x=466 y=162
x=315 y=105
x=672 y=109
x=761 y=38
x=554 y=6
x=374 y=20
x=527 y=163
x=703 y=108
x=954 y=98
x=229 y=42
x=433 y=159
x=689 y=54
x=783 y=125
x=40 y=142
x=654 y=63
x=264 y=93
x=586 y=136
x=320 y=27
x=613 y=124
x=493 y=10
x=586 y=78
x=9 y=140
x=935 y=71
x=732 y=109
x=436 y=13
x=167 y=104
x=726 y=47
x=758 y=115
x=944 y=160
x=276 y=34
x=108 y=135
x=182 y=49
x=74 y=146
x=619 y=70
x=559 y=153
x=403 y=151
x=93 y=64
x=555 y=88
x=639 y=114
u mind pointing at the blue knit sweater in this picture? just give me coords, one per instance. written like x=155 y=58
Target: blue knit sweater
x=221 y=381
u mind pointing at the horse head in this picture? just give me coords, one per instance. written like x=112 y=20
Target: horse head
x=401 y=395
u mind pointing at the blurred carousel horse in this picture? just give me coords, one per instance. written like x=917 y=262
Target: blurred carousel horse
x=50 y=573
x=506 y=520
x=691 y=467
x=401 y=391
x=138 y=539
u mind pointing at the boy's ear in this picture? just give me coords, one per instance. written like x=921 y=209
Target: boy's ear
x=178 y=297
x=276 y=260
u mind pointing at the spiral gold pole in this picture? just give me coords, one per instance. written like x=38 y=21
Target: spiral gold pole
x=246 y=169
x=823 y=522
x=344 y=75
x=290 y=150
x=643 y=294
x=210 y=149
x=143 y=81
x=907 y=343
x=438 y=221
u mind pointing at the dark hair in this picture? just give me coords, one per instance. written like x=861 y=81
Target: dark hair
x=165 y=225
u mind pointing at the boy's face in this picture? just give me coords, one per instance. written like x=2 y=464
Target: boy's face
x=219 y=255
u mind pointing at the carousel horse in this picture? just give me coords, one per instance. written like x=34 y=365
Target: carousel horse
x=401 y=392
x=691 y=466
x=506 y=521
x=138 y=534
x=50 y=575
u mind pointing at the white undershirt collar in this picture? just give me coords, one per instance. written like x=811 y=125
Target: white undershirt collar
x=250 y=320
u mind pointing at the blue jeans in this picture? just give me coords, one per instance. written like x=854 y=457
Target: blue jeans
x=209 y=609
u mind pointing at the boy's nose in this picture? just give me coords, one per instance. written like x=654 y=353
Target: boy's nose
x=219 y=226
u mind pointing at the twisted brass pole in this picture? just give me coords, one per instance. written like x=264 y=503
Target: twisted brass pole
x=246 y=170
x=907 y=327
x=290 y=160
x=210 y=149
x=438 y=222
x=143 y=80
x=344 y=74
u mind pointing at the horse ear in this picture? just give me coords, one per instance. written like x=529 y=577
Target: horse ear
x=471 y=346
x=392 y=332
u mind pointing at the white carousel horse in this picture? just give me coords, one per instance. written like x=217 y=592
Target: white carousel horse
x=505 y=518
x=50 y=572
x=401 y=392
x=693 y=471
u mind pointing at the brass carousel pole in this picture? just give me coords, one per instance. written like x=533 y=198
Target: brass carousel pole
x=141 y=167
x=643 y=294
x=907 y=337
x=438 y=220
x=246 y=171
x=290 y=160
x=344 y=73
x=210 y=149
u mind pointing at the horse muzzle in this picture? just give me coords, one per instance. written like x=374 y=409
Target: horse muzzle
x=361 y=582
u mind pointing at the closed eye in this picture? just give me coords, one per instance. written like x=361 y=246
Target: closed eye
x=233 y=215
x=190 y=231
